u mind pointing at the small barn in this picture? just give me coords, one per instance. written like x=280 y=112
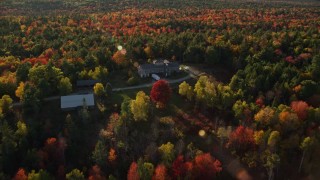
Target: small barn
x=75 y=101
x=87 y=83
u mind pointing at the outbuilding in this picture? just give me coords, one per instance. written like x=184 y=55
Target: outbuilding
x=75 y=101
x=87 y=83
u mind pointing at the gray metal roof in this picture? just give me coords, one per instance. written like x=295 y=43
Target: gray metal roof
x=149 y=66
x=74 y=101
x=159 y=65
x=90 y=82
x=158 y=62
x=173 y=64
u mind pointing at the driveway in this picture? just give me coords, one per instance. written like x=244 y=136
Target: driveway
x=52 y=98
x=150 y=84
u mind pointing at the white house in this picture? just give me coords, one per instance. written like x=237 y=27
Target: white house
x=158 y=66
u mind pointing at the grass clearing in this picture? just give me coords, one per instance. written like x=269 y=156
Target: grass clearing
x=119 y=80
x=119 y=96
x=179 y=75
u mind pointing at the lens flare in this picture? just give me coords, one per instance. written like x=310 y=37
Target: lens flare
x=202 y=133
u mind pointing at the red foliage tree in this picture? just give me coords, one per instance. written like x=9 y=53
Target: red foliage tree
x=179 y=168
x=206 y=167
x=290 y=59
x=48 y=154
x=241 y=138
x=189 y=167
x=260 y=102
x=51 y=143
x=133 y=172
x=160 y=173
x=52 y=153
x=301 y=108
x=161 y=93
x=20 y=175
x=95 y=173
x=36 y=60
x=48 y=53
x=52 y=148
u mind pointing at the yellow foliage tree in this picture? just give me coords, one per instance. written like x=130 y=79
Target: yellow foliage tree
x=167 y=153
x=22 y=130
x=265 y=116
x=6 y=104
x=205 y=91
x=273 y=138
x=186 y=90
x=65 y=86
x=99 y=89
x=20 y=90
x=148 y=52
x=199 y=88
x=258 y=137
x=99 y=73
x=140 y=107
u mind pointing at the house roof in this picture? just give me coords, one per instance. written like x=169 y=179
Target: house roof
x=149 y=66
x=158 y=64
x=173 y=64
x=166 y=61
x=73 y=101
x=90 y=82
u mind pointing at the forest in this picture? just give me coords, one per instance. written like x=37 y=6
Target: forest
x=259 y=119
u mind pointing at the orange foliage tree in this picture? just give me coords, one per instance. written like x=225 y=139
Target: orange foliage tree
x=95 y=173
x=133 y=172
x=112 y=155
x=119 y=57
x=160 y=173
x=21 y=175
x=241 y=138
x=301 y=108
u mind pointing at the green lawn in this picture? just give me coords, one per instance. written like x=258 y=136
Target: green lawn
x=119 y=96
x=179 y=75
x=119 y=80
x=176 y=101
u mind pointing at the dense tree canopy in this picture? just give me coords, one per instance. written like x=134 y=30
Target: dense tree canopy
x=253 y=93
